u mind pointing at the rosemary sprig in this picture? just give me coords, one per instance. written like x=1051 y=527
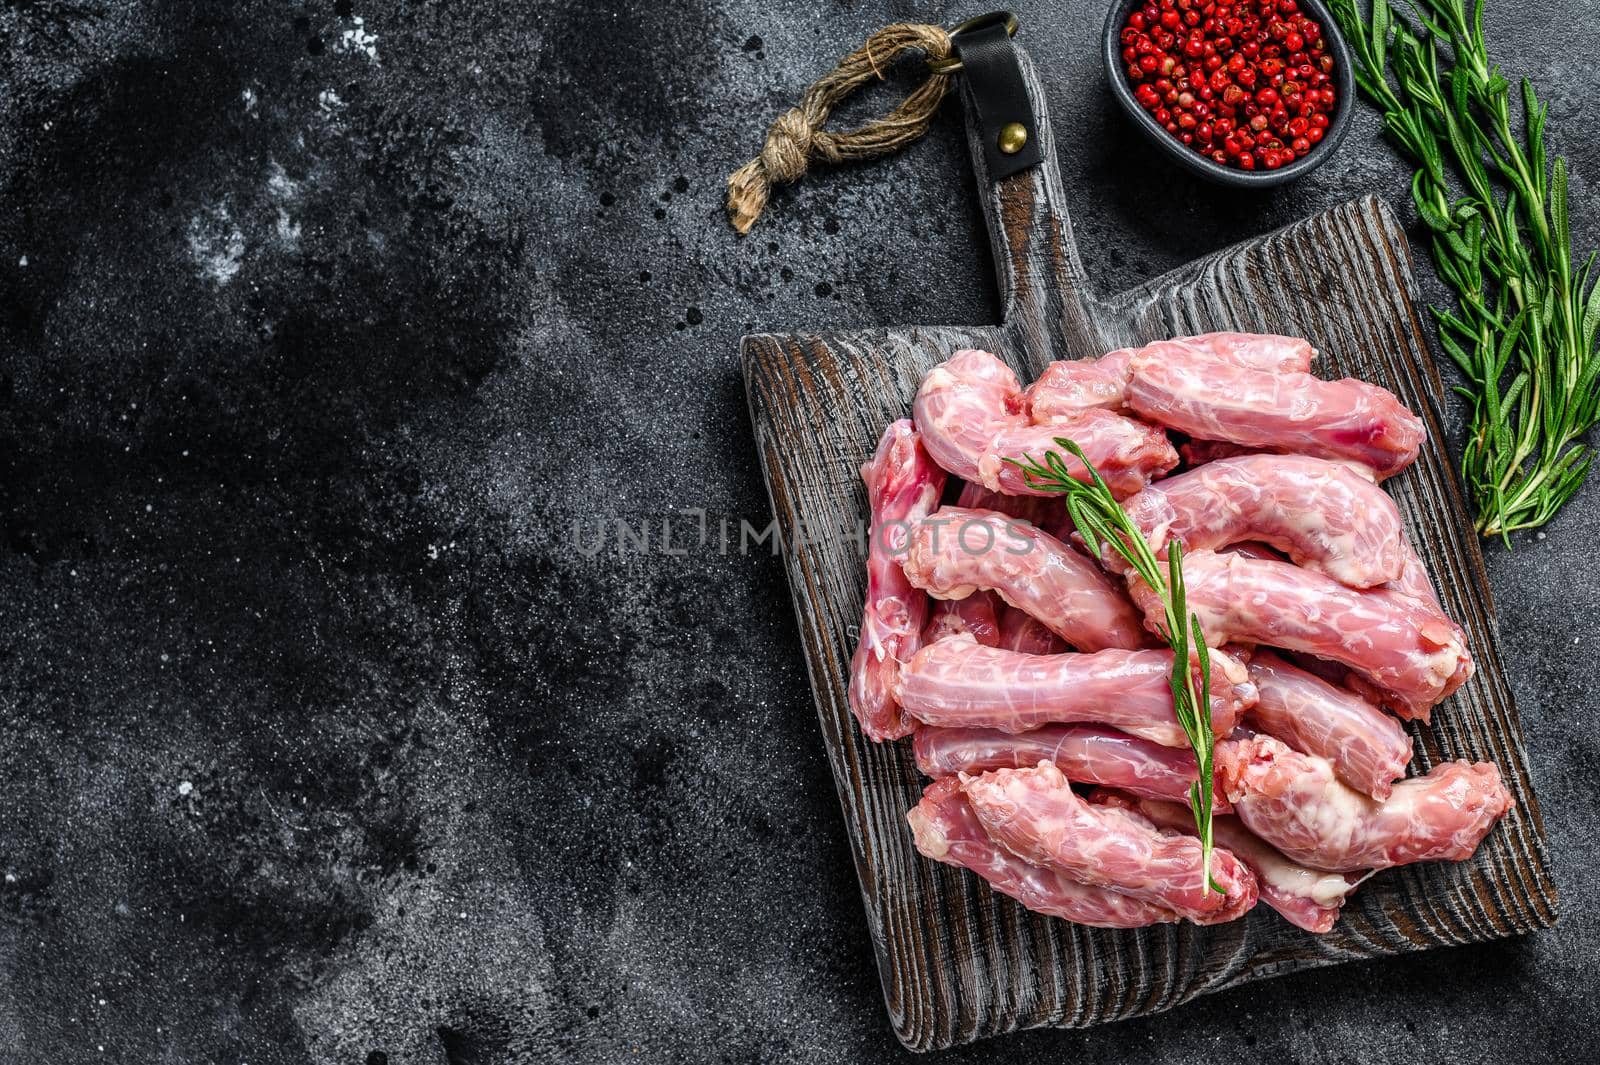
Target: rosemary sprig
x=1100 y=520
x=1523 y=330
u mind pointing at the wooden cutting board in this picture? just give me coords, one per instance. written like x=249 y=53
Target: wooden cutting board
x=958 y=961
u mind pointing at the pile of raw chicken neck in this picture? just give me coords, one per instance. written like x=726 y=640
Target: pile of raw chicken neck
x=1035 y=690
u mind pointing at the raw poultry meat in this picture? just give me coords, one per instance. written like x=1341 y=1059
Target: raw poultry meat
x=1021 y=632
x=1307 y=898
x=946 y=830
x=959 y=682
x=1414 y=580
x=1068 y=385
x=978 y=613
x=971 y=413
x=1046 y=512
x=1022 y=668
x=1213 y=399
x=1087 y=754
x=1324 y=515
x=1368 y=748
x=903 y=486
x=1199 y=452
x=1261 y=351
x=1034 y=814
x=1296 y=803
x=1403 y=648
x=1252 y=549
x=955 y=552
x=975 y=616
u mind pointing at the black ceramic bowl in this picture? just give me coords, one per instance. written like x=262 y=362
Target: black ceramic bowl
x=1187 y=157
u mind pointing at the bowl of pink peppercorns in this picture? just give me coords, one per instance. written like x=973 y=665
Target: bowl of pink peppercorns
x=1241 y=92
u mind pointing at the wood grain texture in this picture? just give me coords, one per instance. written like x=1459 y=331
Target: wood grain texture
x=957 y=961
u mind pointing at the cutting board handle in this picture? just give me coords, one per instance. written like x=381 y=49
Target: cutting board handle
x=1045 y=303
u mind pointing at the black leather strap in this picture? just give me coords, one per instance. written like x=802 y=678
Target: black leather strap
x=997 y=95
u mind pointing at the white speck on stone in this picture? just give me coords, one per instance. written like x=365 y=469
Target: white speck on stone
x=216 y=245
x=185 y=788
x=23 y=261
x=288 y=228
x=249 y=98
x=462 y=915
x=329 y=101
x=433 y=551
x=285 y=192
x=357 y=39
x=280 y=186
x=11 y=878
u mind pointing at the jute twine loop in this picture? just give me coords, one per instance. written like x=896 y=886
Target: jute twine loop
x=797 y=138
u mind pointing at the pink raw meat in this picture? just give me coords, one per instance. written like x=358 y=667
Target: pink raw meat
x=1414 y=580
x=1020 y=632
x=1127 y=452
x=1069 y=386
x=979 y=613
x=903 y=486
x=970 y=411
x=1296 y=803
x=975 y=616
x=1368 y=748
x=1308 y=898
x=1260 y=351
x=1199 y=452
x=1043 y=511
x=959 y=682
x=1087 y=754
x=1403 y=648
x=956 y=552
x=1213 y=399
x=1034 y=814
x=1252 y=549
x=946 y=830
x=1324 y=515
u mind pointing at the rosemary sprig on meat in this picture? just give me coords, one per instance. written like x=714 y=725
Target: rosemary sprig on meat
x=1523 y=330
x=1100 y=520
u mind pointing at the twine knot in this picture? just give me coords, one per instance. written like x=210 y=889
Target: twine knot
x=783 y=157
x=797 y=137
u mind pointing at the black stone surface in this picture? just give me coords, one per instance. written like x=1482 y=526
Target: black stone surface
x=322 y=358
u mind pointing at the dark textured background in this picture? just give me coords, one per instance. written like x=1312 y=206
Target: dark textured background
x=321 y=741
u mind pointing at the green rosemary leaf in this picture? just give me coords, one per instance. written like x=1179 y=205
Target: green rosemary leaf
x=1517 y=391
x=1431 y=216
x=1591 y=317
x=1380 y=33
x=1558 y=205
x=1534 y=116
